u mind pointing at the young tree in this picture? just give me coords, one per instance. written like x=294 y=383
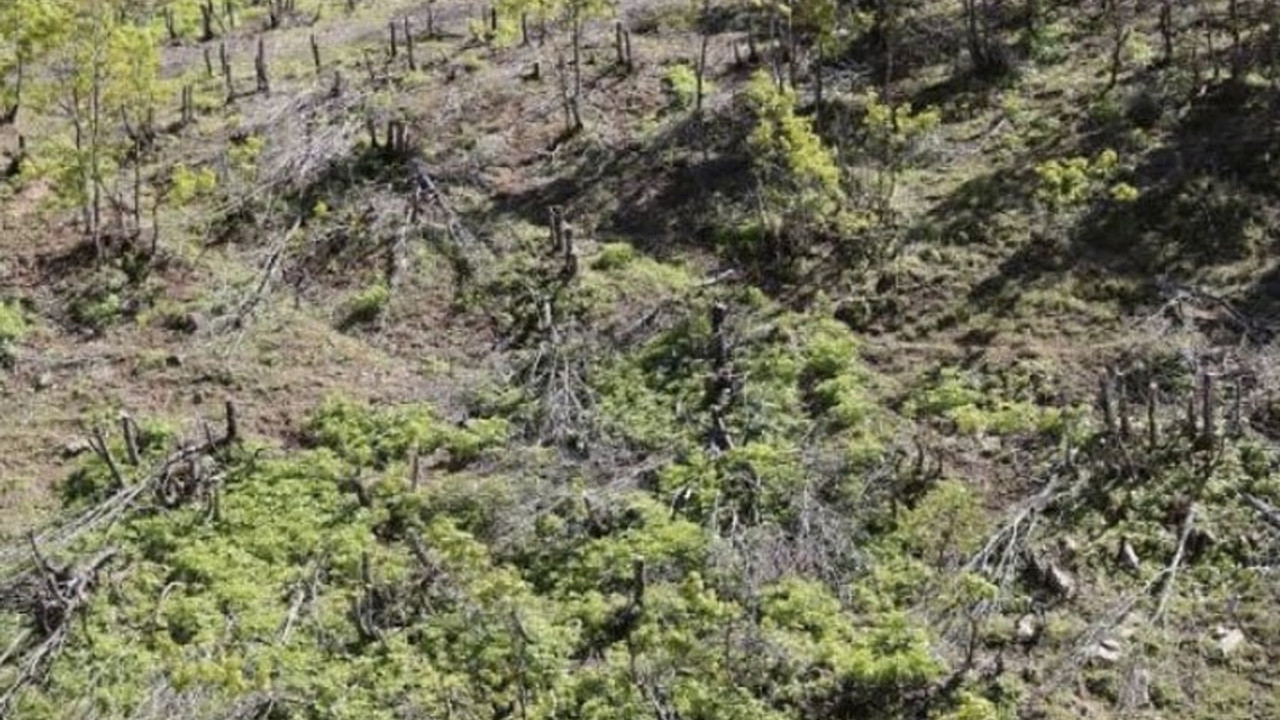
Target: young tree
x=104 y=86
x=893 y=134
x=28 y=29
x=799 y=180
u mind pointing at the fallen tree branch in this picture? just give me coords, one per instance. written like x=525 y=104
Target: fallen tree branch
x=16 y=559
x=1171 y=572
x=1269 y=513
x=64 y=593
x=99 y=444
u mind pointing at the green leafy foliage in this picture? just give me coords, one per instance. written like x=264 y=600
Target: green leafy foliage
x=188 y=184
x=408 y=600
x=28 y=30
x=13 y=325
x=390 y=562
x=369 y=303
x=375 y=438
x=788 y=153
x=1074 y=181
x=1006 y=403
x=680 y=84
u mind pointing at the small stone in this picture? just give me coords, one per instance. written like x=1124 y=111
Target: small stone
x=1061 y=581
x=1107 y=652
x=1068 y=547
x=44 y=381
x=1028 y=629
x=1137 y=689
x=184 y=322
x=1229 y=640
x=1129 y=557
x=75 y=448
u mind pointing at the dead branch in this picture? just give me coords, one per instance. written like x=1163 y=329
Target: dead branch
x=99 y=445
x=999 y=556
x=15 y=560
x=1269 y=514
x=1171 y=572
x=50 y=611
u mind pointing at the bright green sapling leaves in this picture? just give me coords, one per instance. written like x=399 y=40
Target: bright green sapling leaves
x=342 y=604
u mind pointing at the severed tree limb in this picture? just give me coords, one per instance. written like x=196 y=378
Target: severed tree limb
x=32 y=670
x=17 y=559
x=304 y=592
x=65 y=592
x=99 y=444
x=1269 y=513
x=232 y=434
x=1171 y=573
x=129 y=429
x=50 y=575
x=18 y=642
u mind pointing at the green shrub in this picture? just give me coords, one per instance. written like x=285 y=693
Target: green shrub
x=1048 y=45
x=368 y=437
x=1002 y=403
x=680 y=85
x=787 y=150
x=98 y=309
x=13 y=326
x=368 y=304
x=187 y=184
x=613 y=256
x=1072 y=181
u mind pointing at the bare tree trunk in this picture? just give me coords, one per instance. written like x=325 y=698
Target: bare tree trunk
x=1153 y=428
x=137 y=192
x=818 y=86
x=1207 y=22
x=1271 y=45
x=95 y=149
x=206 y=21
x=1119 y=36
x=260 y=67
x=10 y=114
x=1237 y=53
x=701 y=75
x=155 y=225
x=408 y=45
x=226 y=72
x=169 y=26
x=972 y=36
x=572 y=116
x=577 y=58
x=793 y=44
x=617 y=43
x=886 y=24
x=1167 y=31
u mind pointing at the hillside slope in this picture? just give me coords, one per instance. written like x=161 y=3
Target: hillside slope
x=570 y=360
